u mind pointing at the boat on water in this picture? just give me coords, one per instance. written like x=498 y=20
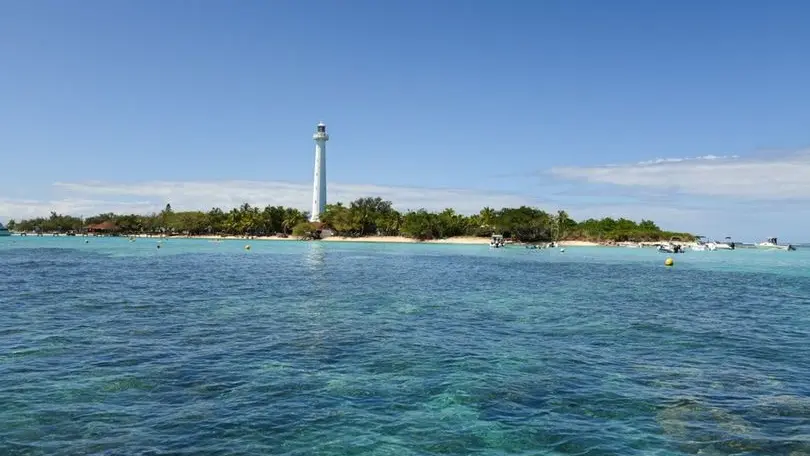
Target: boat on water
x=669 y=247
x=772 y=244
x=496 y=241
x=4 y=231
x=727 y=244
x=701 y=245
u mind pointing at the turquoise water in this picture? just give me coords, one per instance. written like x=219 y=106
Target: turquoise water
x=119 y=348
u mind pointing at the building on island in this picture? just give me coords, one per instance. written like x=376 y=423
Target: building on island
x=319 y=181
x=102 y=228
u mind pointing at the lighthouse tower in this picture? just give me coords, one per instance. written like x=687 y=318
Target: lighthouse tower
x=319 y=184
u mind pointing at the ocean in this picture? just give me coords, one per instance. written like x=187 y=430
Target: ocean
x=114 y=347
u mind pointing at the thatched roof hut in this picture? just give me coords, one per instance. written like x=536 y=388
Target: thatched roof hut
x=103 y=227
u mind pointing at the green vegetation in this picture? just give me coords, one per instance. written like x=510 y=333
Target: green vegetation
x=363 y=217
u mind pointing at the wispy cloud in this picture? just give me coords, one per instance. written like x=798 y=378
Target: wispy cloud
x=669 y=217
x=773 y=177
x=25 y=208
x=742 y=222
x=95 y=197
x=716 y=195
x=678 y=160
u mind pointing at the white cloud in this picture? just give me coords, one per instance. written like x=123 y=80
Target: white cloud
x=718 y=222
x=678 y=160
x=97 y=197
x=26 y=208
x=672 y=218
x=91 y=198
x=776 y=177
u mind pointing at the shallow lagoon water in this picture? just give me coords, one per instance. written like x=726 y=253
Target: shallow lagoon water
x=116 y=347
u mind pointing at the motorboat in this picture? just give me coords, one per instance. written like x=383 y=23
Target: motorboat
x=4 y=231
x=701 y=246
x=669 y=247
x=496 y=241
x=771 y=244
x=728 y=244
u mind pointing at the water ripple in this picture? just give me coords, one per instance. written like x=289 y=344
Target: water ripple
x=112 y=347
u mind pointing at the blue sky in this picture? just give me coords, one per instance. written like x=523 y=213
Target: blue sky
x=694 y=114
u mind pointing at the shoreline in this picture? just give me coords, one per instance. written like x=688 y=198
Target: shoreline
x=465 y=240
x=459 y=240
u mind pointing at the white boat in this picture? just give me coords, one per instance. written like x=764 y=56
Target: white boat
x=497 y=241
x=4 y=231
x=771 y=244
x=728 y=244
x=669 y=247
x=702 y=246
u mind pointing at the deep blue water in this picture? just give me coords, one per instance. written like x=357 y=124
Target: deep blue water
x=291 y=348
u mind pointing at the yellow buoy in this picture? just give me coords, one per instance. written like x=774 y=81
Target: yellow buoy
x=247 y=247
x=669 y=262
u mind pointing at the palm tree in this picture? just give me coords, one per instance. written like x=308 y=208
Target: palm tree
x=561 y=225
x=292 y=217
x=487 y=216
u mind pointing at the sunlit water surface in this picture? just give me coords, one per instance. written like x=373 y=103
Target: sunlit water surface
x=119 y=348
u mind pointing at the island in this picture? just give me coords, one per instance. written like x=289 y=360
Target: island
x=371 y=219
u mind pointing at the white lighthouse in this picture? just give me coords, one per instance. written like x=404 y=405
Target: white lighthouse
x=319 y=184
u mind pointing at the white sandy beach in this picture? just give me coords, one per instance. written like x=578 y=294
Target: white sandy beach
x=384 y=239
x=460 y=240
x=403 y=239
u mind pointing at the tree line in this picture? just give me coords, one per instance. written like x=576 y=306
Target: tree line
x=362 y=217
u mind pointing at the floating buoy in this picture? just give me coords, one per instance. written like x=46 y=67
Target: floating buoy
x=669 y=262
x=247 y=247
x=562 y=250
